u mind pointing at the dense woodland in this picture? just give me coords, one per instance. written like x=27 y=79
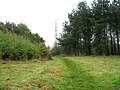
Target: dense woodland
x=92 y=30
x=17 y=42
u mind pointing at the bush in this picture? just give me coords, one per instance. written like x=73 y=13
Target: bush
x=16 y=47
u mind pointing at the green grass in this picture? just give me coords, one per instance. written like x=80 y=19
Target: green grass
x=62 y=73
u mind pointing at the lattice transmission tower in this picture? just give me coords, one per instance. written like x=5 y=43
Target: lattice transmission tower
x=56 y=32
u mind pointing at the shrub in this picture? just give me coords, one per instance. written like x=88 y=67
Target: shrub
x=17 y=47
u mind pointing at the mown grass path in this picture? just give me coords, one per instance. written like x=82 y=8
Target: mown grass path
x=78 y=77
x=89 y=73
x=62 y=73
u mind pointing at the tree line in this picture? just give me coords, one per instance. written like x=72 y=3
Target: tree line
x=21 y=30
x=17 y=42
x=92 y=30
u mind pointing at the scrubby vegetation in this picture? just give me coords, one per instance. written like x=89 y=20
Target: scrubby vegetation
x=18 y=43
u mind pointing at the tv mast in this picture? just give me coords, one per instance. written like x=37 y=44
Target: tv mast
x=56 y=47
x=55 y=31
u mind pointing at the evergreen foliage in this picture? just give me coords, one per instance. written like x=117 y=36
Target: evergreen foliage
x=92 y=30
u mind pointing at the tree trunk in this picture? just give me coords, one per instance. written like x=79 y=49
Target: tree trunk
x=118 y=47
x=114 y=47
x=111 y=42
x=107 y=47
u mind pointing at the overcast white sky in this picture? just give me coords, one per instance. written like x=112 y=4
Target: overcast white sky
x=38 y=15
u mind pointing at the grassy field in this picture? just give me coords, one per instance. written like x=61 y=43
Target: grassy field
x=62 y=73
